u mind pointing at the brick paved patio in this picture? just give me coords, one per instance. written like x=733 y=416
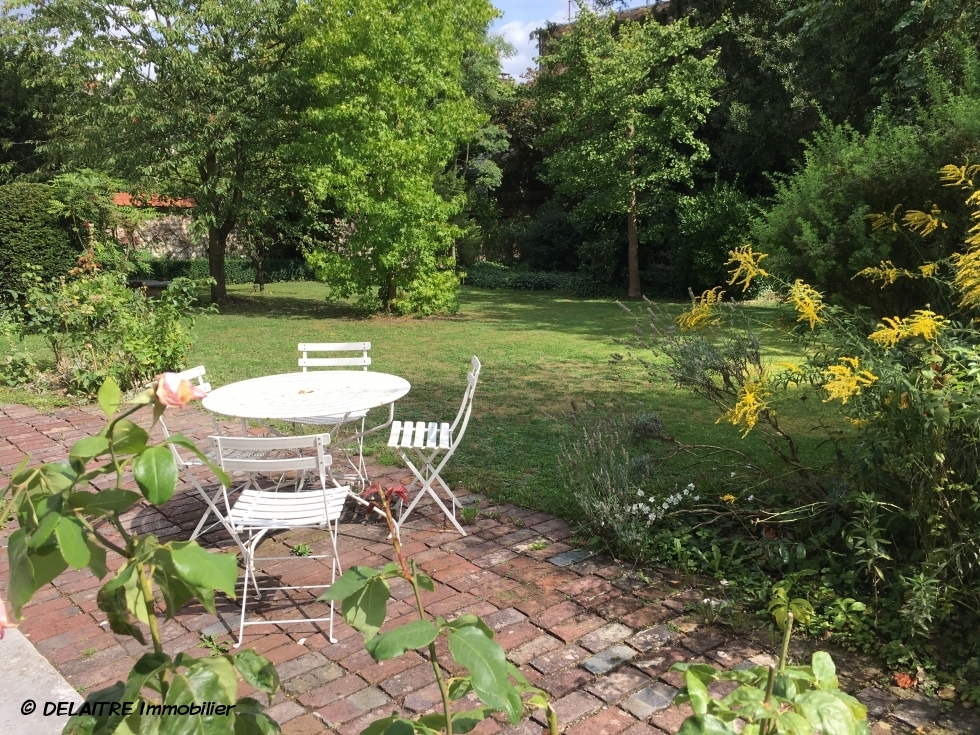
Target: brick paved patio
x=598 y=639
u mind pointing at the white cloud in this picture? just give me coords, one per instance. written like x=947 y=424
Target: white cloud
x=517 y=34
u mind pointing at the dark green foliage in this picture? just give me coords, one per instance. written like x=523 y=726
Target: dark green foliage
x=709 y=224
x=818 y=229
x=549 y=241
x=495 y=275
x=30 y=235
x=237 y=270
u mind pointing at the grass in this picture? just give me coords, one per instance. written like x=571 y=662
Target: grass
x=547 y=373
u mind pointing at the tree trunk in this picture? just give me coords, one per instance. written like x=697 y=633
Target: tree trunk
x=390 y=290
x=217 y=242
x=633 y=239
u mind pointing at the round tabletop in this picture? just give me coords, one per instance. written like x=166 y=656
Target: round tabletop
x=298 y=395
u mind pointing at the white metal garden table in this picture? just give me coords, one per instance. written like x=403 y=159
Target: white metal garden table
x=294 y=396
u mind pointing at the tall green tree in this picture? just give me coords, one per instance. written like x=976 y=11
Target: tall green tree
x=388 y=109
x=623 y=103
x=182 y=99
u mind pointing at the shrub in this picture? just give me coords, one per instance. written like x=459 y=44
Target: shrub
x=31 y=235
x=550 y=240
x=494 y=275
x=818 y=229
x=97 y=327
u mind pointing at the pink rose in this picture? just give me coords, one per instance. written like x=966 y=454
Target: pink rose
x=174 y=391
x=4 y=621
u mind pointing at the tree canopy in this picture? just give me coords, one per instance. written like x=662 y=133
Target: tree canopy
x=388 y=108
x=623 y=103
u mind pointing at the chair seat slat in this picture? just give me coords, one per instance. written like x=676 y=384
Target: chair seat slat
x=396 y=429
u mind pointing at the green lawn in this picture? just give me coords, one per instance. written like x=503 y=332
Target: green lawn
x=546 y=373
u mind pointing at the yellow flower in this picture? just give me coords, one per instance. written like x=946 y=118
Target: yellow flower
x=751 y=403
x=929 y=269
x=701 y=310
x=730 y=499
x=747 y=265
x=925 y=223
x=807 y=301
x=923 y=323
x=846 y=380
x=859 y=423
x=886 y=272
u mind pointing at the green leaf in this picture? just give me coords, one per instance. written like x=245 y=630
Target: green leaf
x=89 y=447
x=128 y=438
x=826 y=713
x=697 y=693
x=49 y=521
x=176 y=593
x=425 y=582
x=823 y=667
x=459 y=688
x=71 y=542
x=365 y=609
x=109 y=397
x=705 y=725
x=471 y=621
x=182 y=441
x=205 y=683
x=48 y=564
x=88 y=724
x=97 y=561
x=464 y=722
x=384 y=725
x=112 y=601
x=785 y=686
x=155 y=471
x=254 y=723
x=22 y=586
x=350 y=582
x=111 y=500
x=199 y=568
x=404 y=638
x=487 y=664
x=257 y=671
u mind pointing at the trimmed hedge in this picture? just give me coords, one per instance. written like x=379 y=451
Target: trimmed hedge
x=237 y=270
x=31 y=235
x=484 y=274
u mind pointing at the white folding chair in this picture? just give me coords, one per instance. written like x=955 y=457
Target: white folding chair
x=258 y=511
x=429 y=441
x=186 y=465
x=359 y=474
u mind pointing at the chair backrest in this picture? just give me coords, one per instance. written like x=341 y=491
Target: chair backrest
x=458 y=427
x=249 y=454
x=305 y=361
x=195 y=374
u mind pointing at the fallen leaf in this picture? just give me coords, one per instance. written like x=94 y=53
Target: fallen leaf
x=903 y=680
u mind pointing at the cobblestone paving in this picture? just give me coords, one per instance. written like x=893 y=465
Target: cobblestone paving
x=599 y=640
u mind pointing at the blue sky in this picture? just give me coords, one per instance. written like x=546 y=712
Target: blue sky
x=520 y=18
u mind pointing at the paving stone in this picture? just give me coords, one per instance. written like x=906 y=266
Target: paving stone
x=305 y=725
x=703 y=640
x=560 y=684
x=647 y=616
x=671 y=719
x=657 y=662
x=572 y=707
x=314 y=679
x=641 y=728
x=604 y=637
x=608 y=659
x=368 y=698
x=300 y=665
x=332 y=691
x=285 y=711
x=408 y=681
x=532 y=649
x=916 y=714
x=652 y=699
x=577 y=626
x=613 y=687
x=560 y=659
x=733 y=653
x=877 y=701
x=570 y=557
x=424 y=699
x=556 y=614
x=610 y=721
x=652 y=638
x=504 y=618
